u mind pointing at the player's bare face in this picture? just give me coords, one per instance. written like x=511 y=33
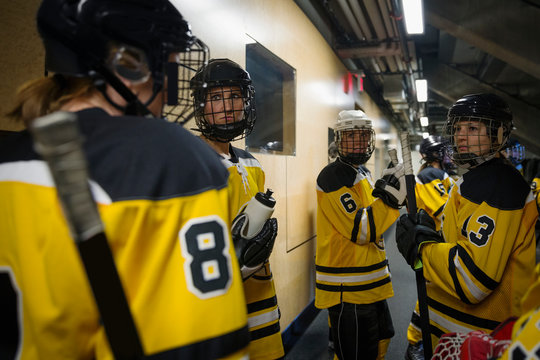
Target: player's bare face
x=224 y=105
x=471 y=137
x=355 y=141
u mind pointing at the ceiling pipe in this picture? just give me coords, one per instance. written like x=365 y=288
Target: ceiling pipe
x=383 y=49
x=385 y=14
x=361 y=19
x=350 y=18
x=374 y=13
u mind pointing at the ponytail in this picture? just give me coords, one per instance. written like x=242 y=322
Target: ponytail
x=45 y=95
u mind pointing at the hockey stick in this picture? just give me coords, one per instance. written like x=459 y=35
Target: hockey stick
x=419 y=273
x=393 y=156
x=57 y=140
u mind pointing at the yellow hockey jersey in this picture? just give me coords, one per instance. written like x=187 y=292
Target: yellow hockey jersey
x=476 y=278
x=351 y=263
x=432 y=189
x=246 y=178
x=162 y=195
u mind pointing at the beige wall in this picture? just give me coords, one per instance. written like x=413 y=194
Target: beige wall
x=281 y=27
x=21 y=52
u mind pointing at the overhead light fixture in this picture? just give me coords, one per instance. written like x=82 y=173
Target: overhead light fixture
x=424 y=121
x=421 y=90
x=425 y=134
x=414 y=16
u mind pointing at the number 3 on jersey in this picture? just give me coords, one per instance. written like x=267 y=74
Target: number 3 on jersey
x=205 y=247
x=481 y=237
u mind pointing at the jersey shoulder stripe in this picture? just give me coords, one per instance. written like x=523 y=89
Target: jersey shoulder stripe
x=497 y=183
x=336 y=175
x=36 y=172
x=157 y=159
x=429 y=174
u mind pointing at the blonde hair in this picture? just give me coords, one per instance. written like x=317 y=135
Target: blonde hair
x=45 y=95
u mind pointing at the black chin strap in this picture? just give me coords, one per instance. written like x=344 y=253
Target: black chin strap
x=104 y=76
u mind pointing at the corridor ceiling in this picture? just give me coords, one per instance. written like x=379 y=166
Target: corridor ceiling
x=468 y=46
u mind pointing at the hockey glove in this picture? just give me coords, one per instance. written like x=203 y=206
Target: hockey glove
x=390 y=188
x=412 y=232
x=253 y=253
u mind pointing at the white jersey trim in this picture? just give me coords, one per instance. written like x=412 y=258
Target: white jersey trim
x=261 y=319
x=473 y=289
x=447 y=324
x=363 y=224
x=339 y=279
x=36 y=172
x=530 y=198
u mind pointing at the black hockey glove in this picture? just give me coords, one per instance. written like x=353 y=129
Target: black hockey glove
x=412 y=232
x=253 y=253
x=390 y=188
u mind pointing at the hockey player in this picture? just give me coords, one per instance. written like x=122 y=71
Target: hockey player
x=432 y=189
x=161 y=194
x=224 y=112
x=352 y=274
x=479 y=268
x=432 y=181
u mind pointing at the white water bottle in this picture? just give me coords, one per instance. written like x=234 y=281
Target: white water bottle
x=259 y=209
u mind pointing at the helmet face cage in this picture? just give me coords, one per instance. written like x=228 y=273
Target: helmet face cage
x=355 y=144
x=179 y=102
x=224 y=101
x=475 y=139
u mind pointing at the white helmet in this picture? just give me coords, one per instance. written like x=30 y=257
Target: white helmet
x=349 y=120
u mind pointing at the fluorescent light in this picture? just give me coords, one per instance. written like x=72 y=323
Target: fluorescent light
x=414 y=16
x=424 y=121
x=425 y=135
x=421 y=90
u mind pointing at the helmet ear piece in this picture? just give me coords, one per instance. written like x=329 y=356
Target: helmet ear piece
x=500 y=135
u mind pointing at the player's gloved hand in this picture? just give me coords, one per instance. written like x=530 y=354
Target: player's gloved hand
x=253 y=253
x=412 y=232
x=390 y=188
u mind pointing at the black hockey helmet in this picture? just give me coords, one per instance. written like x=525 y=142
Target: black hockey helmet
x=223 y=73
x=489 y=109
x=433 y=148
x=79 y=36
